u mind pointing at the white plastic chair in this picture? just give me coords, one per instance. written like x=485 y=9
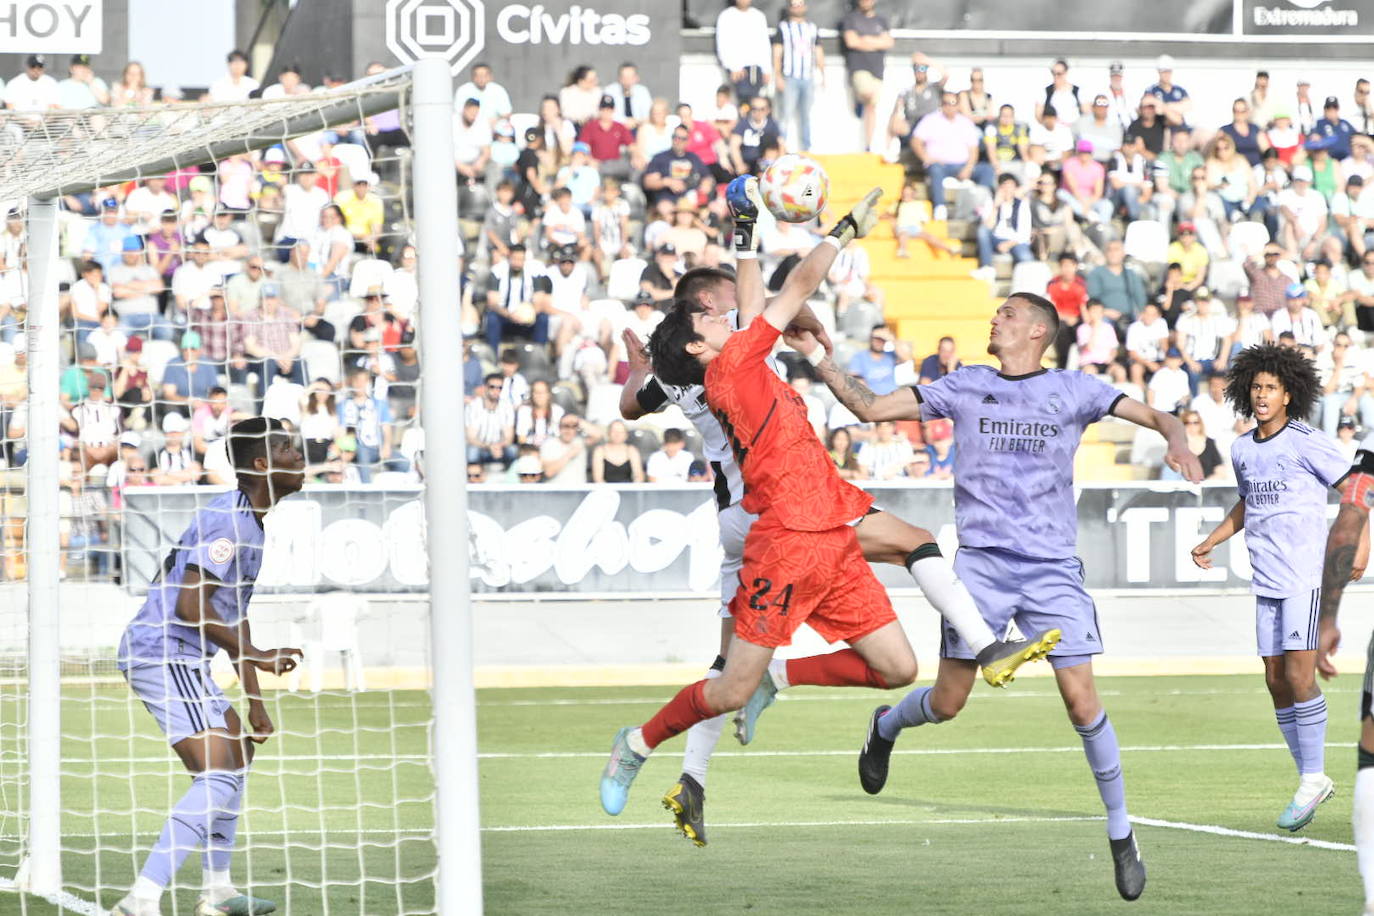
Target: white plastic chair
x=623 y=282
x=368 y=273
x=603 y=403
x=321 y=360
x=1247 y=239
x=1031 y=277
x=354 y=157
x=522 y=121
x=156 y=355
x=329 y=624
x=1147 y=240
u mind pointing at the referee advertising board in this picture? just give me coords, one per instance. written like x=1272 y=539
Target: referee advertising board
x=647 y=539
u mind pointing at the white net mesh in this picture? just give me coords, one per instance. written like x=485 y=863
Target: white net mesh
x=251 y=275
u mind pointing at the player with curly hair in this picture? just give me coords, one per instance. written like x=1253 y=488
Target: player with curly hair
x=1283 y=469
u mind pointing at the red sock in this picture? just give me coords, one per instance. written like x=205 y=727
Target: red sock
x=682 y=712
x=845 y=668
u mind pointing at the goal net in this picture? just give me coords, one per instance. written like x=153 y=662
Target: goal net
x=165 y=272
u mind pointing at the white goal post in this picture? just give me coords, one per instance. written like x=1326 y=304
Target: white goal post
x=75 y=152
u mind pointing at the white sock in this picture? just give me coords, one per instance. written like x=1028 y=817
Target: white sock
x=1363 y=821
x=147 y=890
x=635 y=739
x=777 y=669
x=701 y=742
x=948 y=595
x=219 y=887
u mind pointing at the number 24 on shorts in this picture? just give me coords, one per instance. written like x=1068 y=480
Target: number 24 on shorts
x=758 y=599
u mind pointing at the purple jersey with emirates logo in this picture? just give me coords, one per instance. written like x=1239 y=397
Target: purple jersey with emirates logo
x=1283 y=480
x=224 y=540
x=1014 y=442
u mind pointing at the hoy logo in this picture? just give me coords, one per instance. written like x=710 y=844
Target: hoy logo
x=451 y=29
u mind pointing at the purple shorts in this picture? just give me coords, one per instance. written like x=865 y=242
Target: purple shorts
x=1036 y=593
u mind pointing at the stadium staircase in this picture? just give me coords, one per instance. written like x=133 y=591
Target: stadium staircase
x=929 y=296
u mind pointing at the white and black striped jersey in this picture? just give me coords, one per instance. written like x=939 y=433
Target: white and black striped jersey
x=798 y=39
x=655 y=395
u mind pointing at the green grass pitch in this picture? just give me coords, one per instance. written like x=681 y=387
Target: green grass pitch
x=994 y=813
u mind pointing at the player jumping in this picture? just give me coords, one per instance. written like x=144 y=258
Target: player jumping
x=1016 y=431
x=883 y=537
x=198 y=606
x=1283 y=469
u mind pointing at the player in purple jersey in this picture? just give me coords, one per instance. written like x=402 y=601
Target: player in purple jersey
x=1283 y=470
x=1015 y=432
x=197 y=606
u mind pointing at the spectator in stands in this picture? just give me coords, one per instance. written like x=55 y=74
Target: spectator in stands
x=1332 y=132
x=946 y=144
x=517 y=300
x=1190 y=256
x=32 y=92
x=82 y=88
x=564 y=457
x=363 y=213
x=133 y=389
x=909 y=222
x=1345 y=385
x=610 y=224
x=754 y=133
x=581 y=95
x=655 y=133
x=1085 y=185
x=798 y=67
x=503 y=225
x=236 y=85
x=850 y=279
x=108 y=340
x=537 y=419
x=1100 y=130
x=302 y=202
x=94 y=422
x=1061 y=96
x=1121 y=109
x=1120 y=290
x=243 y=292
x=677 y=172
x=146 y=204
x=1252 y=327
x=370 y=419
x=975 y=102
x=706 y=142
x=1330 y=298
x=841 y=448
x=1352 y=210
x=1202 y=337
x=1150 y=127
x=1169 y=389
x=131 y=90
x=876 y=364
x=1219 y=418
x=331 y=248
x=564 y=225
x=580 y=177
x=187 y=380
x=660 y=276
x=942 y=362
x=1214 y=467
x=91 y=299
x=1054 y=137
x=1146 y=341
x=867 y=37
x=1362 y=287
x=611 y=143
x=1261 y=104
x=272 y=341
x=1053 y=224
x=1006 y=142
x=176 y=460
x=632 y=98
x=1248 y=139
x=74 y=384
x=288 y=83
x=472 y=139
x=1326 y=173
x=1297 y=319
x=939 y=435
x=1175 y=104
x=1069 y=293
x=210 y=422
x=615 y=460
x=492 y=97
x=887 y=454
x=743 y=49
x=1233 y=179
x=135 y=286
x=1304 y=221
x=1177 y=164
x=105 y=239
x=1004 y=228
x=1132 y=183
x=1362 y=109
x=1097 y=344
x=671 y=463
x=914 y=103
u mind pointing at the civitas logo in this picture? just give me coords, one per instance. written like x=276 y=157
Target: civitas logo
x=452 y=29
x=1309 y=13
x=520 y=24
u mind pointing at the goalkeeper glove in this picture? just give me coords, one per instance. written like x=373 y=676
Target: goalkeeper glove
x=860 y=221
x=743 y=199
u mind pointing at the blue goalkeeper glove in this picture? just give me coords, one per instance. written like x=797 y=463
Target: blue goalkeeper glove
x=743 y=198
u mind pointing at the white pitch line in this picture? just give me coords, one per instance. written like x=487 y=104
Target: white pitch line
x=1242 y=834
x=752 y=825
x=62 y=900
x=921 y=752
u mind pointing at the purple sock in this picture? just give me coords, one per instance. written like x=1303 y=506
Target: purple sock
x=1288 y=725
x=1311 y=716
x=1104 y=756
x=188 y=826
x=912 y=710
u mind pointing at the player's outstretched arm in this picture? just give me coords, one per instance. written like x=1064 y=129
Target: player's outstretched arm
x=640 y=370
x=851 y=391
x=782 y=309
x=1179 y=456
x=1234 y=521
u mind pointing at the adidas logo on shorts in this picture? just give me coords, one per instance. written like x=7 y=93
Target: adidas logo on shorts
x=1295 y=635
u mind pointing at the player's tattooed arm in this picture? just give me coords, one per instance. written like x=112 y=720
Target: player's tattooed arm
x=854 y=394
x=1343 y=546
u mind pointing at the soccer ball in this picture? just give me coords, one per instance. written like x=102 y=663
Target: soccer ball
x=795 y=188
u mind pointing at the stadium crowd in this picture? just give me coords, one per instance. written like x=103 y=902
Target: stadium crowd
x=284 y=282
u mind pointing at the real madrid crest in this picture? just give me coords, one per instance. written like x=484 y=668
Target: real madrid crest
x=1055 y=405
